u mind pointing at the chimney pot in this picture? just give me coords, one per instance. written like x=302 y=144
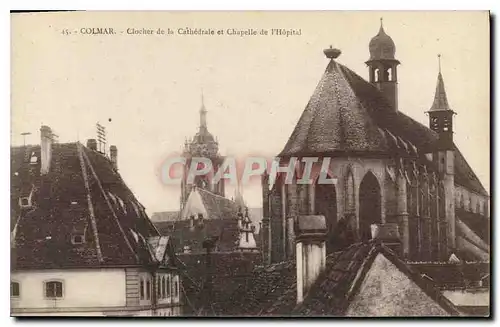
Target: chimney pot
x=310 y=251
x=45 y=148
x=113 y=154
x=92 y=144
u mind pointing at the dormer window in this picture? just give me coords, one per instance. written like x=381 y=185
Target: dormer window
x=33 y=159
x=77 y=239
x=24 y=202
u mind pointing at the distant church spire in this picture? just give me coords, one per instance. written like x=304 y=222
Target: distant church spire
x=440 y=98
x=203 y=114
x=238 y=197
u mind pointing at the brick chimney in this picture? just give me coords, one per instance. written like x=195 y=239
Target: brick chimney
x=92 y=144
x=45 y=149
x=113 y=155
x=388 y=234
x=310 y=236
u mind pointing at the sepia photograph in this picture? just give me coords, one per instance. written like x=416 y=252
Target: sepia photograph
x=296 y=164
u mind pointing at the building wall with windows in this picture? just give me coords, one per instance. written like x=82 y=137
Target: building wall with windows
x=95 y=292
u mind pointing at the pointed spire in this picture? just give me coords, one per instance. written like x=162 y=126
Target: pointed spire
x=381 y=30
x=439 y=63
x=238 y=197
x=440 y=98
x=203 y=113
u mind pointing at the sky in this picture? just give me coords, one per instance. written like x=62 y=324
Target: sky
x=146 y=89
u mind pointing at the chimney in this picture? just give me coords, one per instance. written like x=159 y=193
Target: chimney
x=45 y=148
x=388 y=234
x=92 y=144
x=310 y=233
x=113 y=154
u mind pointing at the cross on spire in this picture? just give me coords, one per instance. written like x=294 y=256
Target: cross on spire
x=439 y=62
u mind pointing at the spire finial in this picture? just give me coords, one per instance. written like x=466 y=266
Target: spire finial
x=381 y=23
x=439 y=62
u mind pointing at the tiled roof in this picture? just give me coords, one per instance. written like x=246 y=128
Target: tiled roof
x=183 y=235
x=335 y=119
x=220 y=219
x=229 y=272
x=81 y=195
x=264 y=290
x=347 y=114
x=272 y=290
x=165 y=216
x=218 y=207
x=452 y=275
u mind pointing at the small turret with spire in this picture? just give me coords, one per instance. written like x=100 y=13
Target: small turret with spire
x=440 y=113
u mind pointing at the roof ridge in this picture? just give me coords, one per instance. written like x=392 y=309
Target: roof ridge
x=427 y=286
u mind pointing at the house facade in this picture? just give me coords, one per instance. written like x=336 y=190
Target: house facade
x=81 y=243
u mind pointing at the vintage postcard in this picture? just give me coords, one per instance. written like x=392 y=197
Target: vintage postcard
x=250 y=164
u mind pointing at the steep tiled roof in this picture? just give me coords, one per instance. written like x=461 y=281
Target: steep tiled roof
x=81 y=195
x=335 y=119
x=218 y=207
x=347 y=114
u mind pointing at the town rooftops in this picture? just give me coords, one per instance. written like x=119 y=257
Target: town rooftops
x=79 y=214
x=271 y=291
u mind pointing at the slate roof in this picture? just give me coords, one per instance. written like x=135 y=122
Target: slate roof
x=348 y=115
x=272 y=290
x=114 y=224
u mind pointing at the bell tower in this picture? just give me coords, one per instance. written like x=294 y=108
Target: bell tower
x=203 y=144
x=440 y=114
x=382 y=66
x=441 y=122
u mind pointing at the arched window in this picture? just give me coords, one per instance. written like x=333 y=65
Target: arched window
x=176 y=286
x=168 y=286
x=370 y=211
x=162 y=287
x=53 y=289
x=141 y=289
